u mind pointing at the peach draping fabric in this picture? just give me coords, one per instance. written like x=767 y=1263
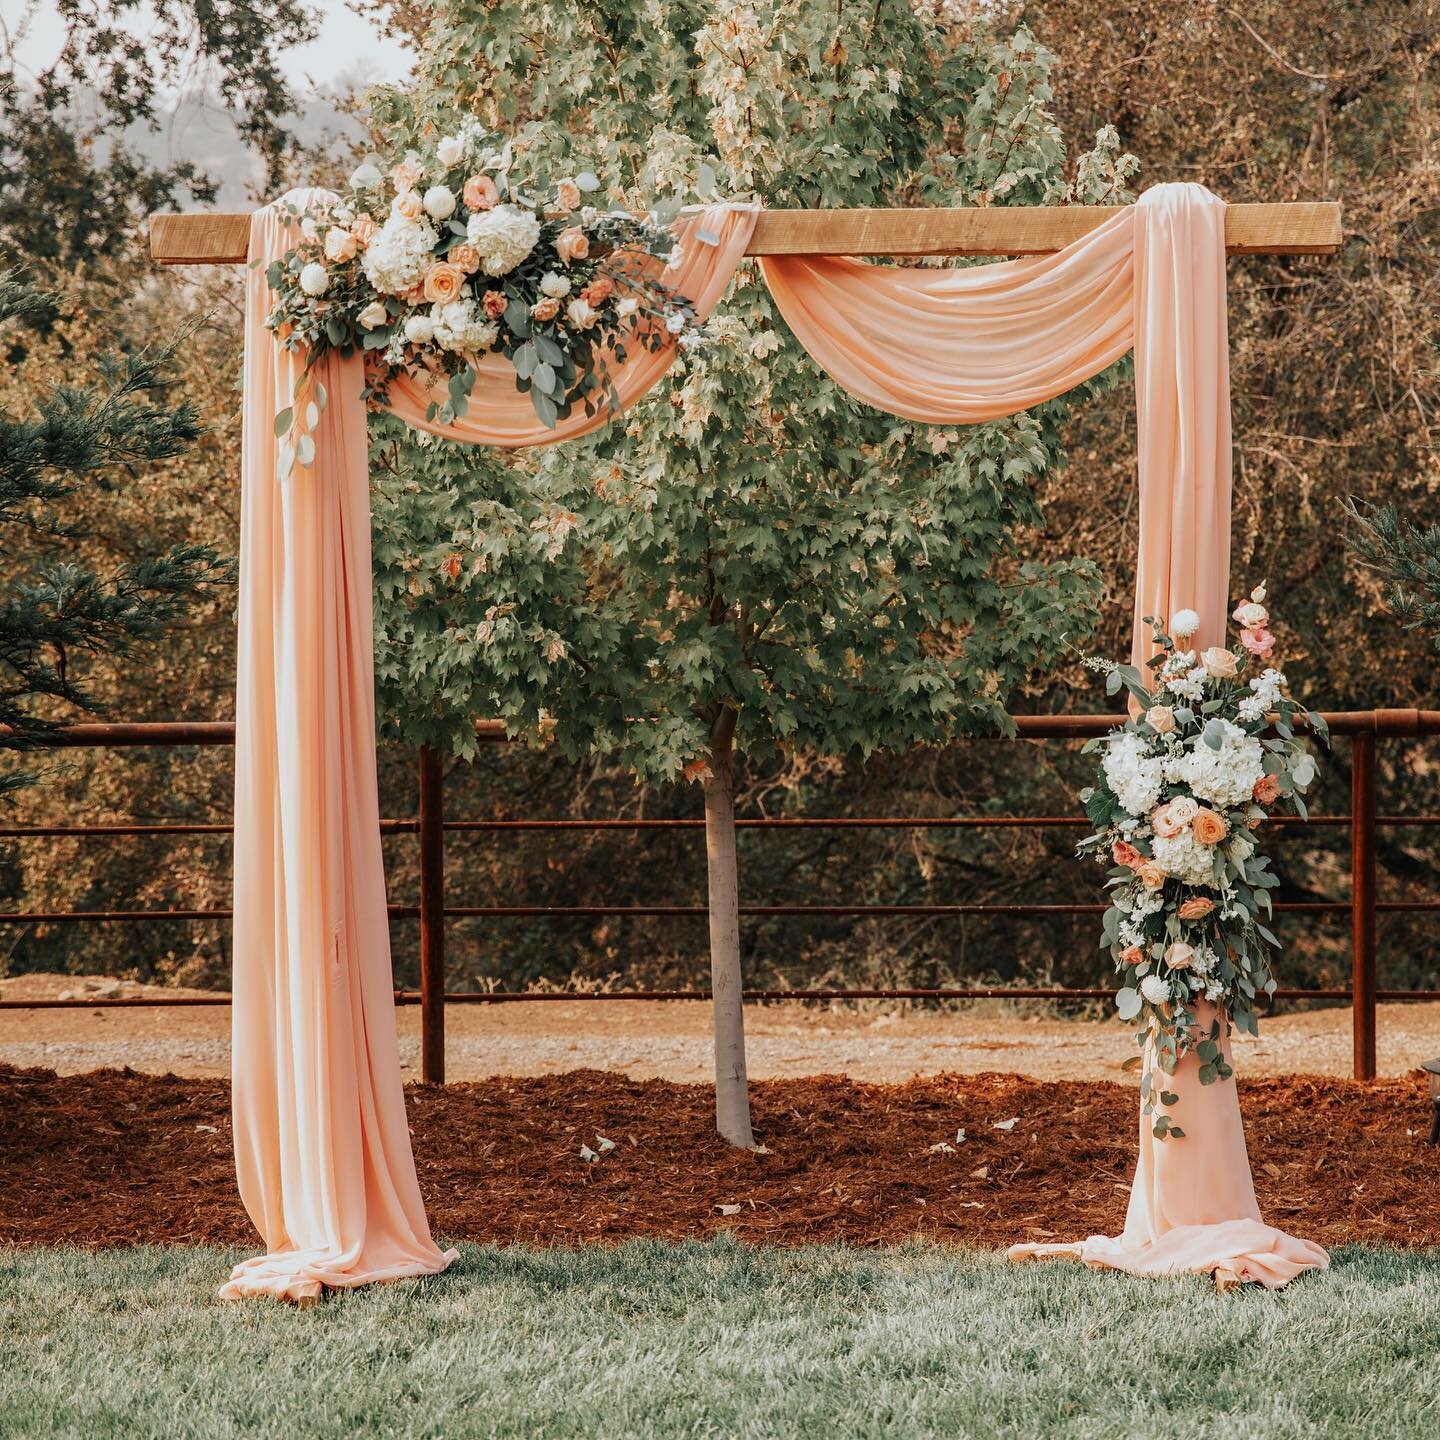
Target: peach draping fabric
x=712 y=244
x=950 y=347
x=961 y=346
x=322 y=1147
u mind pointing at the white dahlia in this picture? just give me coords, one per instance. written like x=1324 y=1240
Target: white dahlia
x=504 y=236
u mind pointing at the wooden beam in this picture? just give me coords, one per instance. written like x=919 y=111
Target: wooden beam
x=1306 y=228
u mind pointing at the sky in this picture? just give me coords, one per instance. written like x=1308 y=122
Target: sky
x=346 y=43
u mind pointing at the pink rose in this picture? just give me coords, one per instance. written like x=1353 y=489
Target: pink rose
x=480 y=193
x=546 y=309
x=567 y=194
x=409 y=204
x=1196 y=909
x=494 y=304
x=572 y=244
x=1179 y=955
x=1219 y=662
x=1170 y=819
x=1258 y=642
x=1161 y=719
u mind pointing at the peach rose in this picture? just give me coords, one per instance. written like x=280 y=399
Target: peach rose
x=1132 y=955
x=1171 y=818
x=572 y=244
x=374 y=315
x=546 y=309
x=599 y=290
x=1196 y=909
x=1152 y=877
x=1209 y=828
x=442 y=283
x=465 y=258
x=340 y=245
x=406 y=174
x=1179 y=955
x=409 y=204
x=1161 y=719
x=1267 y=790
x=1126 y=854
x=567 y=194
x=364 y=230
x=1219 y=662
x=1258 y=642
x=494 y=304
x=480 y=193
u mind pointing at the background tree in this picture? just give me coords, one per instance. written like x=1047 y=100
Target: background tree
x=753 y=561
x=56 y=619
x=1407 y=557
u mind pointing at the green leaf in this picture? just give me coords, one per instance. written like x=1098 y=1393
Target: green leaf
x=1127 y=1002
x=283 y=421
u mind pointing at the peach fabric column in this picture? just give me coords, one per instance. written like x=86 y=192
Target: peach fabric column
x=322 y=1147
x=962 y=346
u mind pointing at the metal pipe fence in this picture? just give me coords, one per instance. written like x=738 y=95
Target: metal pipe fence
x=1362 y=729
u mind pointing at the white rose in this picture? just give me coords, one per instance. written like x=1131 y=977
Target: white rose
x=627 y=307
x=1184 y=624
x=439 y=202
x=419 y=329
x=374 y=314
x=450 y=152
x=674 y=322
x=580 y=315
x=366 y=176
x=314 y=279
x=553 y=285
x=1155 y=990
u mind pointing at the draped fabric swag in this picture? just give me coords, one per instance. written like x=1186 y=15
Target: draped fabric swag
x=322 y=1148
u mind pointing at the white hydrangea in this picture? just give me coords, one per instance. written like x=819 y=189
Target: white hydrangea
x=1223 y=777
x=1133 y=775
x=504 y=236
x=1189 y=686
x=397 y=256
x=1185 y=858
x=462 y=327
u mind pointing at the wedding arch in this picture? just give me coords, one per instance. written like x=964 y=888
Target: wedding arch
x=323 y=1152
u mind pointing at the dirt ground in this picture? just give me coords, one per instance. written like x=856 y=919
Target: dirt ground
x=118 y=1158
x=671 y=1041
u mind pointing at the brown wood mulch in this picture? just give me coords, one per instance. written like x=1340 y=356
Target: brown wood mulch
x=118 y=1158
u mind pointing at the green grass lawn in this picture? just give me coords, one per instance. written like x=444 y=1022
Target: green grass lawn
x=719 y=1339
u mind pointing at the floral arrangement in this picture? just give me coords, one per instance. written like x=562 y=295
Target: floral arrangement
x=448 y=257
x=1182 y=789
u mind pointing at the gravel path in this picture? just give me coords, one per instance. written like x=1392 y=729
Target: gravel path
x=671 y=1041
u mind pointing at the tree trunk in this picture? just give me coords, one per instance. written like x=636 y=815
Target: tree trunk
x=732 y=1093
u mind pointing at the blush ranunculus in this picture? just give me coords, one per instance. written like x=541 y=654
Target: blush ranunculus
x=1258 y=642
x=545 y=309
x=409 y=204
x=1172 y=817
x=1208 y=827
x=494 y=304
x=572 y=244
x=1196 y=909
x=1219 y=662
x=465 y=258
x=1179 y=955
x=1267 y=790
x=1127 y=855
x=480 y=193
x=442 y=283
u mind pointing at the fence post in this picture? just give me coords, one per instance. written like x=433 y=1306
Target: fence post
x=1362 y=900
x=432 y=918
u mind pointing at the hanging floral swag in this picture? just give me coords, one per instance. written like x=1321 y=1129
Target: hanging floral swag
x=1181 y=791
x=448 y=257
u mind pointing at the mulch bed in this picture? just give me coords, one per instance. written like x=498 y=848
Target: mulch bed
x=118 y=1158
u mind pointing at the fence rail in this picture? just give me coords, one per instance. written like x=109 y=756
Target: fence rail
x=1363 y=728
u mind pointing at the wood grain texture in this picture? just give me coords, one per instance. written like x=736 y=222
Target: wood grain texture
x=1306 y=228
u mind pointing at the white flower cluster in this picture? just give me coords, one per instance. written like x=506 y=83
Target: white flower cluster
x=504 y=236
x=1134 y=776
x=1225 y=777
x=396 y=257
x=1266 y=688
x=1185 y=858
x=460 y=326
